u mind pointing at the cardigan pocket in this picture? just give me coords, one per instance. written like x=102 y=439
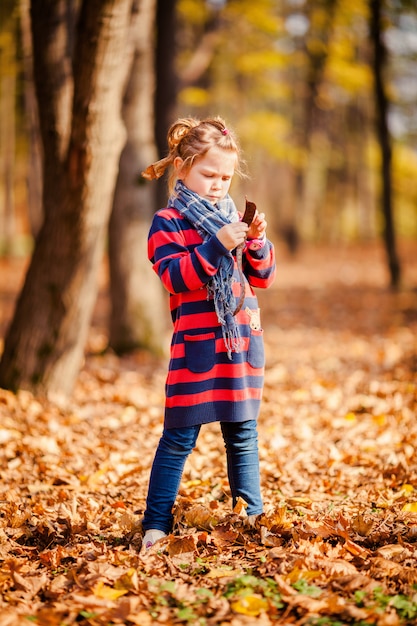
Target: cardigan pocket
x=200 y=351
x=256 y=352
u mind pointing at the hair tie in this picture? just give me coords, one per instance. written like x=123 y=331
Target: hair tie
x=225 y=131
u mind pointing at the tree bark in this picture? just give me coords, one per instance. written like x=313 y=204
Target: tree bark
x=166 y=88
x=138 y=317
x=384 y=139
x=34 y=172
x=82 y=139
x=7 y=137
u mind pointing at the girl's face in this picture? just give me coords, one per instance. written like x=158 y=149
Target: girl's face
x=209 y=176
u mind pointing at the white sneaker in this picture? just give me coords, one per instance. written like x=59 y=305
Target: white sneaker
x=152 y=536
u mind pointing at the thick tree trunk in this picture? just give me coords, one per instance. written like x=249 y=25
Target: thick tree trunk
x=384 y=139
x=138 y=313
x=34 y=171
x=7 y=139
x=44 y=346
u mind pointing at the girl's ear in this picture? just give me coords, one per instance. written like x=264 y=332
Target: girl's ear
x=178 y=164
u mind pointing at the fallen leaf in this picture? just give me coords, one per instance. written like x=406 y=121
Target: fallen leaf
x=108 y=593
x=251 y=605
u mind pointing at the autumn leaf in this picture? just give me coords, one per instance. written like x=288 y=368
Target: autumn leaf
x=337 y=444
x=200 y=516
x=410 y=507
x=108 y=593
x=223 y=572
x=182 y=545
x=251 y=605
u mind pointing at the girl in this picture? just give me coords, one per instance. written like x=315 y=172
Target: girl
x=217 y=359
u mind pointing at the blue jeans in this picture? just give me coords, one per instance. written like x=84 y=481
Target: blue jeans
x=175 y=445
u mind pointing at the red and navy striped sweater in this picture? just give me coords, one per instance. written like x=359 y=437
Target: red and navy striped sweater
x=203 y=384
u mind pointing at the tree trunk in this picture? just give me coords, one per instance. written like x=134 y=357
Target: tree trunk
x=7 y=137
x=312 y=177
x=384 y=139
x=82 y=139
x=138 y=312
x=34 y=172
x=166 y=88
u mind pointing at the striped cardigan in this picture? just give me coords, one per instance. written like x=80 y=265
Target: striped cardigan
x=203 y=384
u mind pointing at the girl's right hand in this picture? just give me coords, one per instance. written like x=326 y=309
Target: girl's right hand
x=232 y=235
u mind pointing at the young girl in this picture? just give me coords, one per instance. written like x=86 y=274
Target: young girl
x=216 y=367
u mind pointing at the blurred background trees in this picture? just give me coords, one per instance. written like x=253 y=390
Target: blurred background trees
x=322 y=94
x=296 y=78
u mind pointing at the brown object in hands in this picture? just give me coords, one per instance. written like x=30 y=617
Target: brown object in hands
x=249 y=214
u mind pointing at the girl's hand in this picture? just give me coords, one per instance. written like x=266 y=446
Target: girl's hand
x=258 y=227
x=232 y=235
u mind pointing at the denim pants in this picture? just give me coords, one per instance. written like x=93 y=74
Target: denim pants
x=175 y=445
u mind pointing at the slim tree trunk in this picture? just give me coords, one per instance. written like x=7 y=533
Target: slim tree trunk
x=137 y=309
x=384 y=139
x=166 y=88
x=82 y=139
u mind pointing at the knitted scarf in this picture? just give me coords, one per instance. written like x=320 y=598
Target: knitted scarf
x=207 y=219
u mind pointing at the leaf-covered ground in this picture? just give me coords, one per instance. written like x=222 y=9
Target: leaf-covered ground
x=338 y=435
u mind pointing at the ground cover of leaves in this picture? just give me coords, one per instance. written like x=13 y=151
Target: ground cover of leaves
x=337 y=542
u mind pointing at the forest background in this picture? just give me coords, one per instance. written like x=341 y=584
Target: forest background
x=323 y=97
x=321 y=94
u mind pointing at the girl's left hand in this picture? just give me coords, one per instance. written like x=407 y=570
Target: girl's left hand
x=258 y=227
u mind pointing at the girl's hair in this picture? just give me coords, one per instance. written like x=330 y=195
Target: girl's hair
x=190 y=139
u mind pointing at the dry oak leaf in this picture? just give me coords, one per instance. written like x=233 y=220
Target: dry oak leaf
x=58 y=586
x=383 y=568
x=351 y=583
x=199 y=516
x=361 y=525
x=240 y=507
x=394 y=552
x=224 y=535
x=224 y=572
x=30 y=585
x=182 y=545
x=91 y=602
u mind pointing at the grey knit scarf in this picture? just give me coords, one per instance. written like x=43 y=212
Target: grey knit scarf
x=207 y=219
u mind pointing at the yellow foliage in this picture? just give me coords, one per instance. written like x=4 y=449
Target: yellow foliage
x=380 y=420
x=410 y=507
x=251 y=605
x=257 y=61
x=298 y=574
x=108 y=593
x=269 y=130
x=260 y=15
x=193 y=12
x=350 y=417
x=354 y=78
x=194 y=97
x=316 y=46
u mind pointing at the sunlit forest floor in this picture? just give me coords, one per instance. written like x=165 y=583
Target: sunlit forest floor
x=337 y=543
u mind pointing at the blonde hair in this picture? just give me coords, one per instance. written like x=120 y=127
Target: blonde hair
x=190 y=139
